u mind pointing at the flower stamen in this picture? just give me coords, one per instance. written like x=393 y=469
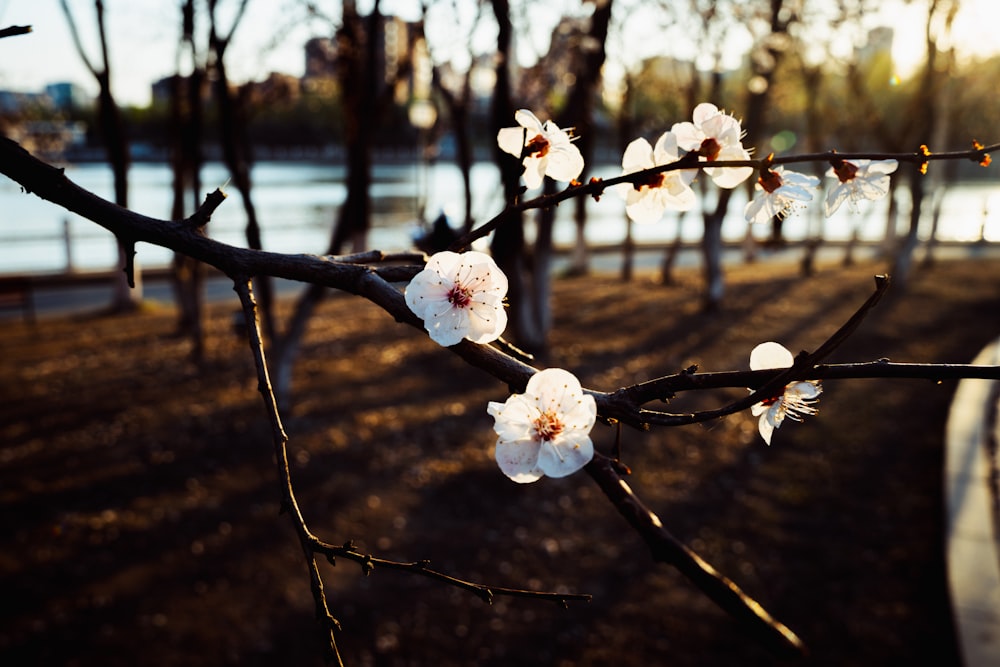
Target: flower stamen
x=537 y=147
x=547 y=426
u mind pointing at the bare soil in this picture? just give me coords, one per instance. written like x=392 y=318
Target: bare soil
x=140 y=509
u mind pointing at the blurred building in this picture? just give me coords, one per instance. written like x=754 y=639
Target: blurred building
x=63 y=96
x=402 y=61
x=67 y=96
x=276 y=90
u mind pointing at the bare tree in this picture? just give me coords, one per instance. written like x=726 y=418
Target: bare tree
x=926 y=122
x=128 y=286
x=186 y=161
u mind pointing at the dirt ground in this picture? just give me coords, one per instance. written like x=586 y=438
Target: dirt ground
x=140 y=521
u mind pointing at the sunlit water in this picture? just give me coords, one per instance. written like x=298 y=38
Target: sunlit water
x=297 y=204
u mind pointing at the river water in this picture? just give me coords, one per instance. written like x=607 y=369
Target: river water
x=297 y=202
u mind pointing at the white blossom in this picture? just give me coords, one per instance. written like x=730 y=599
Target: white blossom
x=781 y=191
x=460 y=296
x=858 y=179
x=545 y=430
x=796 y=400
x=547 y=150
x=715 y=135
x=646 y=200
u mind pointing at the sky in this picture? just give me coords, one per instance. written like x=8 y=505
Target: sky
x=143 y=37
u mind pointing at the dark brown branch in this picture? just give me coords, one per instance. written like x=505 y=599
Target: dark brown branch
x=667 y=549
x=14 y=30
x=201 y=217
x=665 y=387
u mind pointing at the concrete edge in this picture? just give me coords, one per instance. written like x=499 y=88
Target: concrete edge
x=971 y=540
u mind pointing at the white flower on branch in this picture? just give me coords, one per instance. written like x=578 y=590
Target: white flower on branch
x=648 y=198
x=544 y=148
x=460 y=296
x=545 y=430
x=859 y=179
x=715 y=135
x=782 y=191
x=796 y=400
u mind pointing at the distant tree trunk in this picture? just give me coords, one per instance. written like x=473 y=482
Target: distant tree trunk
x=458 y=111
x=812 y=77
x=236 y=150
x=672 y=252
x=186 y=161
x=711 y=247
x=579 y=113
x=533 y=320
x=753 y=125
x=357 y=71
x=508 y=240
x=357 y=46
x=929 y=101
x=188 y=273
x=126 y=296
x=626 y=129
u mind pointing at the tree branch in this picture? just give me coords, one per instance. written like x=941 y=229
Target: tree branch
x=667 y=549
x=14 y=30
x=596 y=187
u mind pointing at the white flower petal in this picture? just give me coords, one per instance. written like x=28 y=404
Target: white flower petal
x=565 y=163
x=761 y=209
x=512 y=419
x=644 y=210
x=534 y=171
x=765 y=428
x=794 y=192
x=564 y=456
x=703 y=112
x=834 y=198
x=638 y=156
x=882 y=166
x=666 y=149
x=448 y=328
x=770 y=355
x=688 y=136
x=511 y=140
x=485 y=323
x=518 y=459
x=528 y=120
x=804 y=390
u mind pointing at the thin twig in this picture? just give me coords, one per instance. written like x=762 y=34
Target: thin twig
x=422 y=568
x=244 y=288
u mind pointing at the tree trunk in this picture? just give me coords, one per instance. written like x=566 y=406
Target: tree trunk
x=357 y=71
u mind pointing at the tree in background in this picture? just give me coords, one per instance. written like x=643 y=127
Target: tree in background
x=127 y=287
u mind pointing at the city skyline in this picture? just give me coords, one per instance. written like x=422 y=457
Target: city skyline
x=150 y=29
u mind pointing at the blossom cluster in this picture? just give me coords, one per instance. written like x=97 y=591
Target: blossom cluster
x=460 y=296
x=713 y=136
